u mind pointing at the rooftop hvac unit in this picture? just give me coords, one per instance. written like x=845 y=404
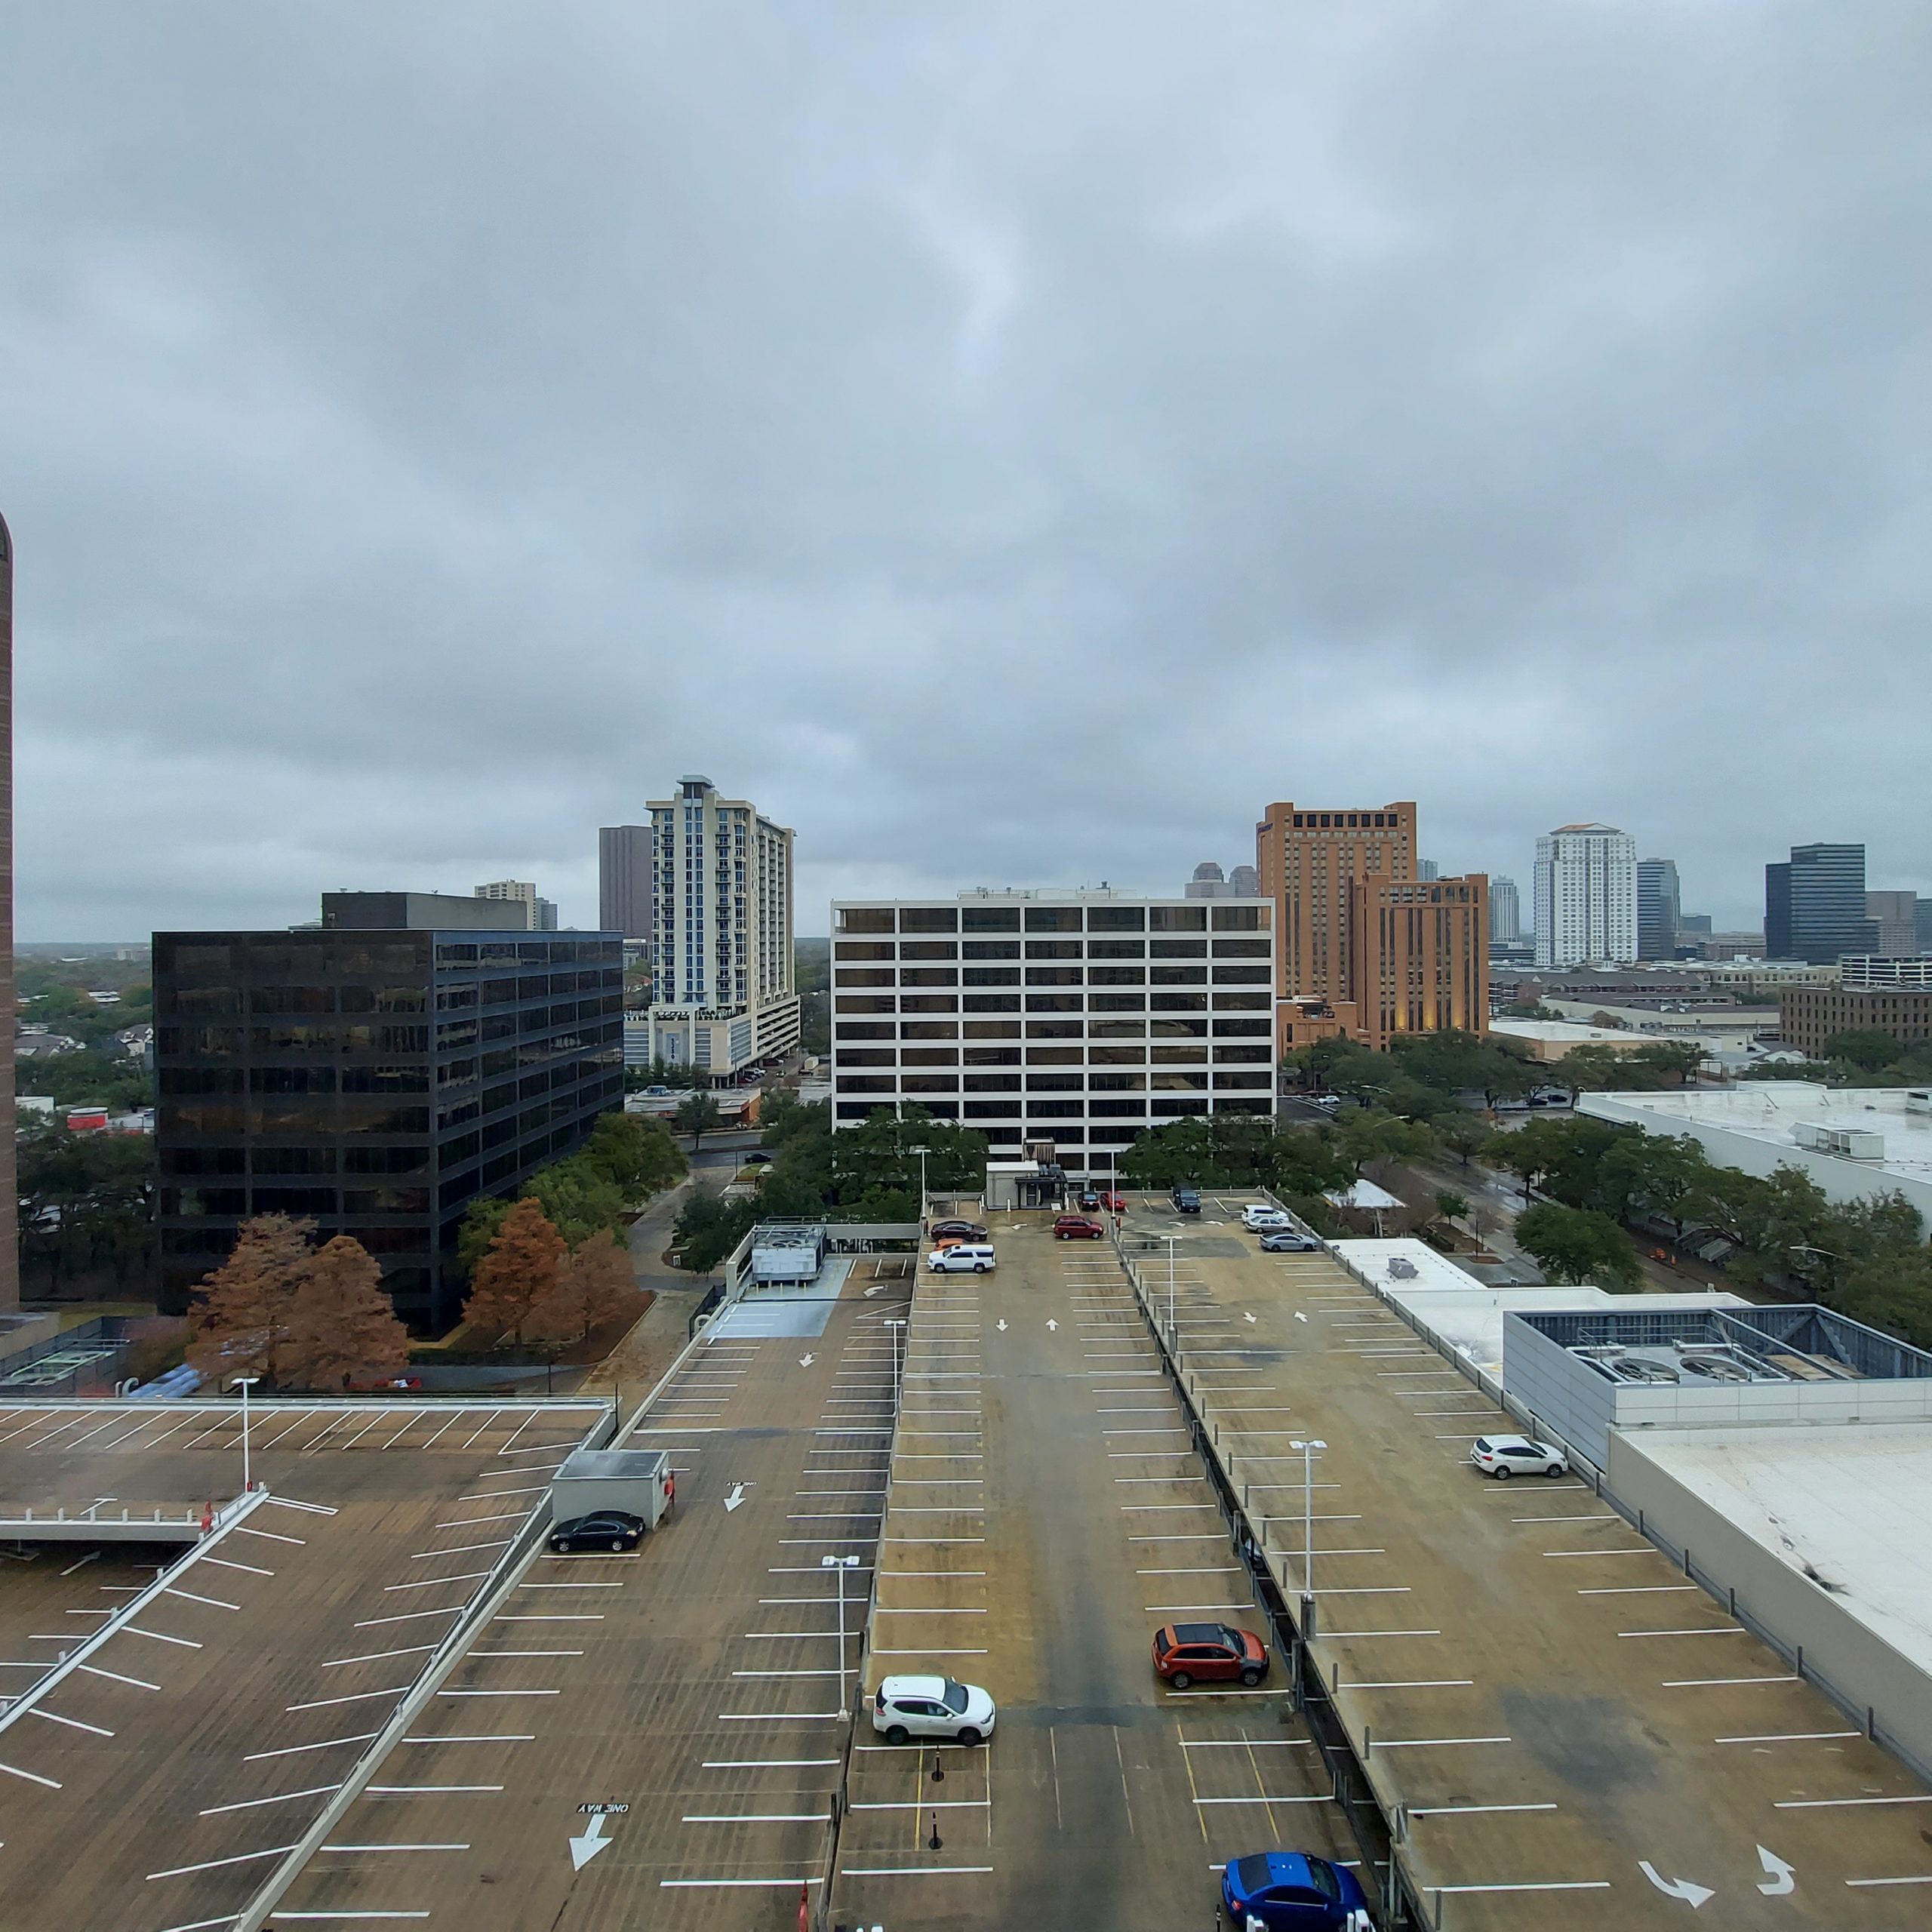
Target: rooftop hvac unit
x=1810 y=1133
x=1402 y=1269
x=1917 y=1101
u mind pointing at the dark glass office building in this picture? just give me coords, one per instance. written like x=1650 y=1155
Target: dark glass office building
x=376 y=1080
x=1814 y=904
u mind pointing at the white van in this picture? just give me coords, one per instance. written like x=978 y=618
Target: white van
x=964 y=1257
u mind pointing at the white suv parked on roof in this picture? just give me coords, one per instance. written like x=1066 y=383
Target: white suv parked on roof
x=1258 y=1214
x=1505 y=1456
x=909 y=1707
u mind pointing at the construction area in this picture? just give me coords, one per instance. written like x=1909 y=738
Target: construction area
x=365 y=1690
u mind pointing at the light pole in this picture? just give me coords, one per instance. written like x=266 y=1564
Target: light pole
x=245 y=1383
x=922 y=1152
x=1308 y=1451
x=898 y=1347
x=1171 y=1239
x=841 y=1565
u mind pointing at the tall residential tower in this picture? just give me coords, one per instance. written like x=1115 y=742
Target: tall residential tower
x=1586 y=897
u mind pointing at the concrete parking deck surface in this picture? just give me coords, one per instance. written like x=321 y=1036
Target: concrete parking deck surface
x=1580 y=1736
x=1046 y=1515
x=151 y=1782
x=697 y=1684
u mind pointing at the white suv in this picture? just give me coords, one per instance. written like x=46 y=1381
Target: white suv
x=909 y=1707
x=1258 y=1215
x=1503 y=1457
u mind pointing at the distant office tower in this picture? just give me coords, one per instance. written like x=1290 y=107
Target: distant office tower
x=1208 y=882
x=1586 y=896
x=1364 y=945
x=1427 y=869
x=1922 y=923
x=9 y=1245
x=1505 y=912
x=624 y=867
x=1659 y=908
x=724 y=931
x=1246 y=882
x=1893 y=916
x=540 y=915
x=1814 y=904
x=1694 y=925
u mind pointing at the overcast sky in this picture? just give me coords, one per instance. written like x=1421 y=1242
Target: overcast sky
x=1011 y=444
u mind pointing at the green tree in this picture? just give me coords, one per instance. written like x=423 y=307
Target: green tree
x=1451 y=1205
x=707 y=1229
x=1578 y=1245
x=1866 y=1048
x=1674 y=1061
x=635 y=1152
x=698 y=1116
x=1463 y=1135
x=1368 y=1135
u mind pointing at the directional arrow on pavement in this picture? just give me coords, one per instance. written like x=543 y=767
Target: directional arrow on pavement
x=590 y=1843
x=1783 y=1878
x=1001 y=1325
x=806 y=1361
x=1052 y=1325
x=872 y=1290
x=1693 y=1894
x=1248 y=1318
x=1298 y=1315
x=737 y=1497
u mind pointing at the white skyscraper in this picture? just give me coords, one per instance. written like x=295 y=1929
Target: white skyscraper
x=721 y=916
x=533 y=913
x=1586 y=896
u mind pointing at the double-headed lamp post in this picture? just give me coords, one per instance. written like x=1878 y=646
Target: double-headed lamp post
x=245 y=1383
x=1308 y=1451
x=841 y=1564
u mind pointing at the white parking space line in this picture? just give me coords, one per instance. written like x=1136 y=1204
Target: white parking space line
x=280 y=1798
x=1787 y=1737
x=297 y=1750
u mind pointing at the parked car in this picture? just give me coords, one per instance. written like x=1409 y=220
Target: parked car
x=958 y=1231
x=909 y=1707
x=614 y=1531
x=1186 y=1653
x=1288 y=1240
x=1292 y=1891
x=1503 y=1457
x=1077 y=1227
x=1258 y=1215
x=964 y=1257
x=1187 y=1200
x=1115 y=1204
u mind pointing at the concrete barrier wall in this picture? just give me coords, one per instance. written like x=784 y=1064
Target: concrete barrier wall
x=1844 y=1656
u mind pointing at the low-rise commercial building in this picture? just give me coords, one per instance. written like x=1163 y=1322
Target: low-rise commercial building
x=1079 y=1018
x=1810 y=1016
x=374 y=1079
x=1869 y=972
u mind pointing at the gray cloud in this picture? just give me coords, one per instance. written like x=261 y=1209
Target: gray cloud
x=1013 y=446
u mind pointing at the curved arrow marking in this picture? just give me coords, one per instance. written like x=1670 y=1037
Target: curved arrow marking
x=1693 y=1894
x=1783 y=1878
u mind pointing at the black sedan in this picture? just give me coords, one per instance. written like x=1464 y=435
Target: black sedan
x=956 y=1231
x=607 y=1529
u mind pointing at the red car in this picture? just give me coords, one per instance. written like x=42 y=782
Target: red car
x=1186 y=1653
x=1077 y=1227
x=1115 y=1204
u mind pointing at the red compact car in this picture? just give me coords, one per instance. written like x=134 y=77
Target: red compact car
x=1077 y=1227
x=1186 y=1653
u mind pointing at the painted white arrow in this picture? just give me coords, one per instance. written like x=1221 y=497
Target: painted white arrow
x=1693 y=1894
x=1783 y=1878
x=872 y=1290
x=806 y=1361
x=737 y=1497
x=1299 y=1316
x=1001 y=1325
x=1249 y=1318
x=583 y=1849
x=1051 y=1326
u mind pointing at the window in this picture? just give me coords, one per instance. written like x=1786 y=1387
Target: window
x=866 y=919
x=862 y=950
x=990 y=976
x=1053 y=976
x=1053 y=1003
x=1237 y=918
x=1177 y=949
x=1053 y=949
x=863 y=976
x=928 y=919
x=990 y=919
x=1117 y=976
x=1240 y=949
x=1055 y=1083
x=1177 y=919
x=864 y=1030
x=862 y=1003
x=877 y=1056
x=929 y=949
x=1116 y=948
x=929 y=975
x=991 y=1029
x=991 y=1056
x=926 y=1056
x=1116 y=918
x=929 y=1029
x=992 y=1083
x=1053 y=918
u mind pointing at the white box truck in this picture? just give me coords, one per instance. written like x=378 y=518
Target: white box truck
x=636 y=1481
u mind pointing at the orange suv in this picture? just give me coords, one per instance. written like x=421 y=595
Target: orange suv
x=1186 y=1653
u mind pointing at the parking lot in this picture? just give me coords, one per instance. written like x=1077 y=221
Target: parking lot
x=697 y=1684
x=1046 y=1515
x=151 y=1779
x=1579 y=1736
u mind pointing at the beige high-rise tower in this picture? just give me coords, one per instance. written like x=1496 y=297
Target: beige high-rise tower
x=10 y=1203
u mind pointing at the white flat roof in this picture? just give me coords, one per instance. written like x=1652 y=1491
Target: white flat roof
x=1467 y=1313
x=1845 y=1500
x=1575 y=1033
x=1769 y=1110
x=1365 y=1193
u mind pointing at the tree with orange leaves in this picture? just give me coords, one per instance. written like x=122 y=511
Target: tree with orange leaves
x=596 y=1284
x=345 y=1328
x=242 y=1320
x=521 y=1269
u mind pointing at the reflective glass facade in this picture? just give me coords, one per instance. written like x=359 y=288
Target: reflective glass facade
x=376 y=1081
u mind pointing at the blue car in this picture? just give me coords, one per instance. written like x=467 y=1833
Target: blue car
x=1291 y=1891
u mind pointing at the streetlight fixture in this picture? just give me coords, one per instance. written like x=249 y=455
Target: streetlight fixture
x=245 y=1383
x=922 y=1152
x=898 y=1352
x=1308 y=1451
x=841 y=1564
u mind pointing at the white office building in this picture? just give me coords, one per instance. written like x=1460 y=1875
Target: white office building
x=1585 y=896
x=1080 y=1018
x=722 y=919
x=534 y=914
x=1506 y=914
